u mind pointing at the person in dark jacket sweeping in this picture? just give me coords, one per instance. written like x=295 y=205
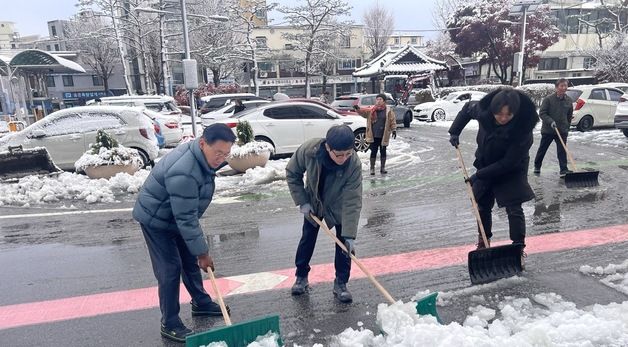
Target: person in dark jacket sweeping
x=172 y=200
x=333 y=192
x=506 y=118
x=556 y=112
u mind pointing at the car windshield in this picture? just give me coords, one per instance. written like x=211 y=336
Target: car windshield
x=574 y=94
x=343 y=102
x=451 y=96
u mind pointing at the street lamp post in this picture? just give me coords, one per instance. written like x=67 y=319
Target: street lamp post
x=522 y=7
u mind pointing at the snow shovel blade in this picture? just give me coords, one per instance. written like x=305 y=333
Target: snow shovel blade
x=490 y=264
x=237 y=335
x=427 y=305
x=18 y=162
x=582 y=179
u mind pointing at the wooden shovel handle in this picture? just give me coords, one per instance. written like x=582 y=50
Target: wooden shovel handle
x=573 y=162
x=476 y=211
x=368 y=274
x=221 y=302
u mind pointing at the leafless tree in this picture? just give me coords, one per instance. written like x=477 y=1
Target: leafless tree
x=443 y=9
x=111 y=9
x=317 y=22
x=89 y=35
x=245 y=14
x=379 y=25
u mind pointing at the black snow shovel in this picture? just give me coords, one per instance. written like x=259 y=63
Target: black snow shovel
x=491 y=263
x=578 y=179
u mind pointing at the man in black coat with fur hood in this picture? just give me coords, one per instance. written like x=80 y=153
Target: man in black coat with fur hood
x=506 y=117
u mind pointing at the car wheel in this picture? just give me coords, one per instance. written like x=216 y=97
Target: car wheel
x=146 y=162
x=267 y=140
x=438 y=115
x=407 y=119
x=585 y=124
x=360 y=143
x=625 y=131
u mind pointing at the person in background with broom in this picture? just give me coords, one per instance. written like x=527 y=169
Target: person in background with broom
x=333 y=191
x=556 y=112
x=172 y=200
x=506 y=118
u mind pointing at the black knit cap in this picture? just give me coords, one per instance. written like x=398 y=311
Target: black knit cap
x=340 y=138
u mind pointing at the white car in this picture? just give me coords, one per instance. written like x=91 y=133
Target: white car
x=227 y=111
x=287 y=124
x=594 y=106
x=446 y=108
x=621 y=115
x=158 y=103
x=171 y=126
x=68 y=133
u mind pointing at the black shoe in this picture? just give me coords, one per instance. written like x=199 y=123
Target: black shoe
x=177 y=334
x=563 y=173
x=300 y=286
x=342 y=293
x=537 y=170
x=211 y=309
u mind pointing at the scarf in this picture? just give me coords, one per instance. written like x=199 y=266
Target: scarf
x=374 y=111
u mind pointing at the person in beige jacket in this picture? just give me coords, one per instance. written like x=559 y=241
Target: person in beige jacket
x=380 y=124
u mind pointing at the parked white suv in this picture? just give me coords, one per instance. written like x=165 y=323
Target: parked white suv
x=287 y=124
x=594 y=106
x=68 y=133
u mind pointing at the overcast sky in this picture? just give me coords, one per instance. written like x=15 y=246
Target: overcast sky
x=409 y=14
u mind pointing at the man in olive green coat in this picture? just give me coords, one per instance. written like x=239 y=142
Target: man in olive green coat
x=332 y=191
x=556 y=112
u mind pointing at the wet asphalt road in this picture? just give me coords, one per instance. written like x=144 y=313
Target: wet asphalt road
x=420 y=204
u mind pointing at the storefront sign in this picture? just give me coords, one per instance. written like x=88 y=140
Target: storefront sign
x=83 y=95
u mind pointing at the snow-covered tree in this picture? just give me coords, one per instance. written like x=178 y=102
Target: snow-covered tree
x=379 y=25
x=111 y=9
x=475 y=28
x=442 y=11
x=318 y=22
x=245 y=15
x=89 y=35
x=212 y=43
x=440 y=48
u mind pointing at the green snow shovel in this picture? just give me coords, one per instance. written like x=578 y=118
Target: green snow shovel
x=234 y=335
x=491 y=263
x=578 y=179
x=425 y=305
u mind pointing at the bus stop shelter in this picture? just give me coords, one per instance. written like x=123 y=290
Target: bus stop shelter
x=23 y=80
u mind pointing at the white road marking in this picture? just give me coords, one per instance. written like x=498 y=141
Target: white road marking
x=256 y=282
x=66 y=213
x=69 y=213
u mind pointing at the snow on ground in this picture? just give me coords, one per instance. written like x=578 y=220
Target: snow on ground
x=399 y=154
x=473 y=124
x=614 y=276
x=606 y=137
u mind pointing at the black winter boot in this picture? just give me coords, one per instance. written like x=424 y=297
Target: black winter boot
x=372 y=166
x=342 y=293
x=177 y=333
x=382 y=170
x=211 y=309
x=300 y=286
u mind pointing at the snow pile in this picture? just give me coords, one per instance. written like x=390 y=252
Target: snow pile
x=399 y=153
x=69 y=186
x=257 y=147
x=273 y=175
x=268 y=340
x=607 y=138
x=119 y=155
x=613 y=276
x=544 y=320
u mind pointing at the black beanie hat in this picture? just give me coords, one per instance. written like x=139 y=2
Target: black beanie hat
x=340 y=138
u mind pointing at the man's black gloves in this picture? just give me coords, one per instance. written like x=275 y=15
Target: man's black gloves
x=454 y=140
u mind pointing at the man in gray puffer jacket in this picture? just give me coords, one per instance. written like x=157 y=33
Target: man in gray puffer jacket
x=172 y=200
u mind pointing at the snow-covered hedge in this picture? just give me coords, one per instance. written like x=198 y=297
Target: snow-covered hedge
x=257 y=147
x=115 y=156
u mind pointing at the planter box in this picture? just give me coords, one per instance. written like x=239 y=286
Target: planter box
x=108 y=171
x=249 y=161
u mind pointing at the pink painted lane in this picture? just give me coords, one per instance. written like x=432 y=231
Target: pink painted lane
x=92 y=305
x=12 y=316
